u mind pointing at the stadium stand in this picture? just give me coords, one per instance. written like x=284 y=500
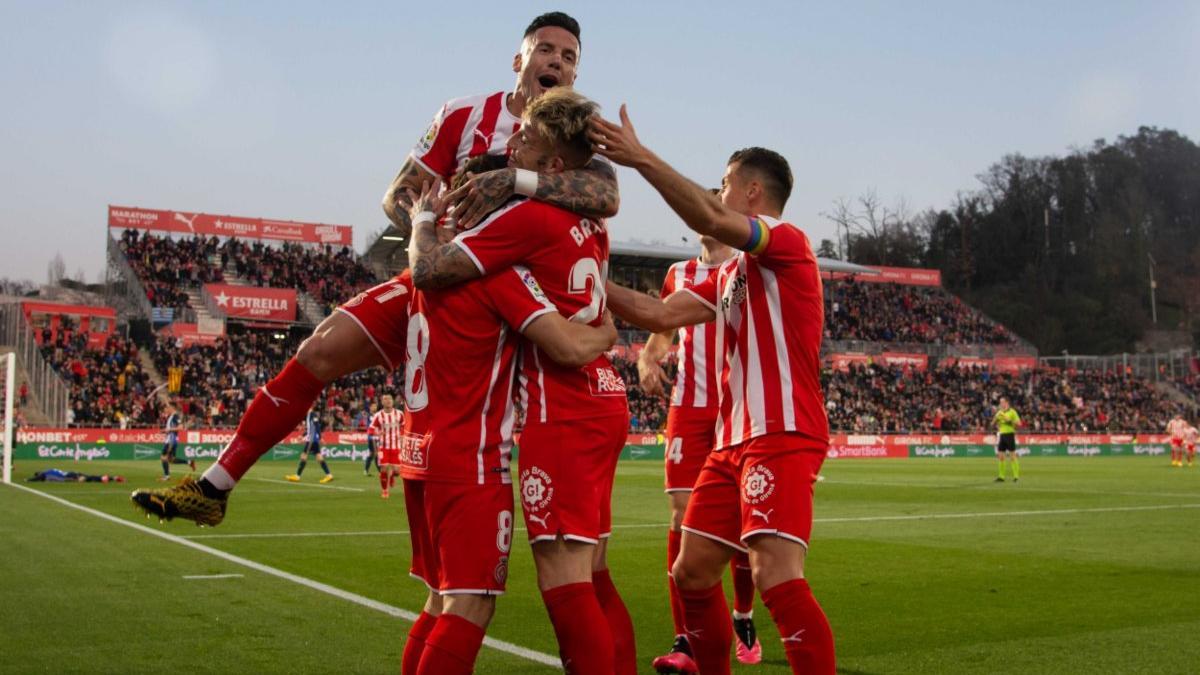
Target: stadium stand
x=875 y=312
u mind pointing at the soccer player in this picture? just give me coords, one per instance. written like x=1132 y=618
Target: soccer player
x=371 y=443
x=755 y=491
x=1177 y=428
x=1007 y=420
x=171 y=444
x=576 y=418
x=456 y=448
x=370 y=329
x=1190 y=438
x=386 y=426
x=312 y=446
x=691 y=420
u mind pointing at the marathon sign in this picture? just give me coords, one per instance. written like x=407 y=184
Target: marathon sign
x=207 y=225
x=251 y=302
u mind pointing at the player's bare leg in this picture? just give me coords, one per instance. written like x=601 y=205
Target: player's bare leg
x=339 y=346
x=777 y=564
x=564 y=569
x=414 y=644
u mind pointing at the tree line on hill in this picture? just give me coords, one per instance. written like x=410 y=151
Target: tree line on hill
x=1060 y=249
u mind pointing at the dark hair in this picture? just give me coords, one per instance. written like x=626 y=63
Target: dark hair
x=555 y=20
x=772 y=168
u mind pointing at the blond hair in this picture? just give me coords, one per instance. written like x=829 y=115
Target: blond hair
x=561 y=116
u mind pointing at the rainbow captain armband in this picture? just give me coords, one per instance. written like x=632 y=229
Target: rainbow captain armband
x=760 y=237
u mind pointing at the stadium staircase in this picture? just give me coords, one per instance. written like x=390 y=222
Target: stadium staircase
x=35 y=416
x=146 y=361
x=1176 y=394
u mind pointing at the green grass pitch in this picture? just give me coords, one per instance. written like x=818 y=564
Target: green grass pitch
x=1088 y=565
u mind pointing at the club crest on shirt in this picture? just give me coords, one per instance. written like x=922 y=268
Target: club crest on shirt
x=758 y=485
x=735 y=292
x=537 y=488
x=501 y=571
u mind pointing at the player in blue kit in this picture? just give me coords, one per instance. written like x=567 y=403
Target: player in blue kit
x=312 y=446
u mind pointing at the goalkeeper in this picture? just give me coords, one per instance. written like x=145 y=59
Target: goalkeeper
x=1007 y=420
x=60 y=476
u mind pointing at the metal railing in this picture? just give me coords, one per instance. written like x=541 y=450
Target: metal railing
x=47 y=387
x=1158 y=366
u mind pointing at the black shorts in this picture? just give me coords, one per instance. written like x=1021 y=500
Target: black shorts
x=1008 y=443
x=311 y=448
x=170 y=446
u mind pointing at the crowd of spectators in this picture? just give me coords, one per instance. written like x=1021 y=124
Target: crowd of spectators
x=330 y=275
x=167 y=266
x=218 y=380
x=106 y=385
x=874 y=398
x=646 y=413
x=879 y=312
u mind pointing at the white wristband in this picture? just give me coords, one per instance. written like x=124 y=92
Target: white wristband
x=526 y=183
x=424 y=217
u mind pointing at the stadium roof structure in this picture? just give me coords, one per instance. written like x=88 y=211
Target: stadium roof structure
x=392 y=254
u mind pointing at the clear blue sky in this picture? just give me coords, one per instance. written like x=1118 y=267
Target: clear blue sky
x=305 y=110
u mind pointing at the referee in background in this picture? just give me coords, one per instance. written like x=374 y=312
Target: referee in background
x=1007 y=420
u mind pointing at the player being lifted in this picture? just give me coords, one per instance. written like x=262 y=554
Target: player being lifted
x=576 y=418
x=691 y=423
x=370 y=330
x=755 y=491
x=386 y=427
x=313 y=426
x=171 y=443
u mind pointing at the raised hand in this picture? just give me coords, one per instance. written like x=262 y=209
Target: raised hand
x=618 y=143
x=480 y=195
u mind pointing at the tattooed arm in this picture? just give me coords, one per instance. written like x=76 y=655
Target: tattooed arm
x=590 y=191
x=434 y=264
x=397 y=201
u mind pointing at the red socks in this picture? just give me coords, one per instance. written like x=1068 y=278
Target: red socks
x=415 y=644
x=673 y=544
x=384 y=483
x=743 y=583
x=451 y=647
x=277 y=408
x=710 y=631
x=584 y=641
x=619 y=623
x=807 y=638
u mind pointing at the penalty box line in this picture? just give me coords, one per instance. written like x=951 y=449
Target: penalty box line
x=499 y=645
x=842 y=519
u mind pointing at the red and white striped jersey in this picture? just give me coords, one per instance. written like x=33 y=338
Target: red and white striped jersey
x=459 y=377
x=696 y=378
x=569 y=256
x=770 y=317
x=387 y=426
x=464 y=128
x=1177 y=428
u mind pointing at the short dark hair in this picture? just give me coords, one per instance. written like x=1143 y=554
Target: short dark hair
x=556 y=20
x=772 y=168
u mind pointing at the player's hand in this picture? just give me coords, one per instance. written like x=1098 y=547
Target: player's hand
x=651 y=377
x=480 y=195
x=609 y=327
x=618 y=143
x=432 y=198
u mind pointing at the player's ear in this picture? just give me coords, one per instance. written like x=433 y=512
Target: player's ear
x=556 y=165
x=517 y=62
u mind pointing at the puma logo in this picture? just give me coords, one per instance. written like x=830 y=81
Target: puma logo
x=540 y=521
x=795 y=637
x=694 y=633
x=765 y=516
x=186 y=221
x=486 y=138
x=279 y=402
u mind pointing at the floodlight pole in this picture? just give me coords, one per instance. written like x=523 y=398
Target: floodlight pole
x=10 y=379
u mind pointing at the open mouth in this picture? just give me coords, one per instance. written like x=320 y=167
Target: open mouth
x=547 y=81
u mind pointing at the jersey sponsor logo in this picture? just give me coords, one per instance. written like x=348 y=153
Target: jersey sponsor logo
x=758 y=485
x=735 y=292
x=428 y=138
x=605 y=382
x=414 y=451
x=537 y=490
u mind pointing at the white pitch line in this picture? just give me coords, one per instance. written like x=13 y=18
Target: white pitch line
x=499 y=645
x=845 y=519
x=364 y=533
x=213 y=576
x=992 y=514
x=311 y=485
x=1024 y=488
